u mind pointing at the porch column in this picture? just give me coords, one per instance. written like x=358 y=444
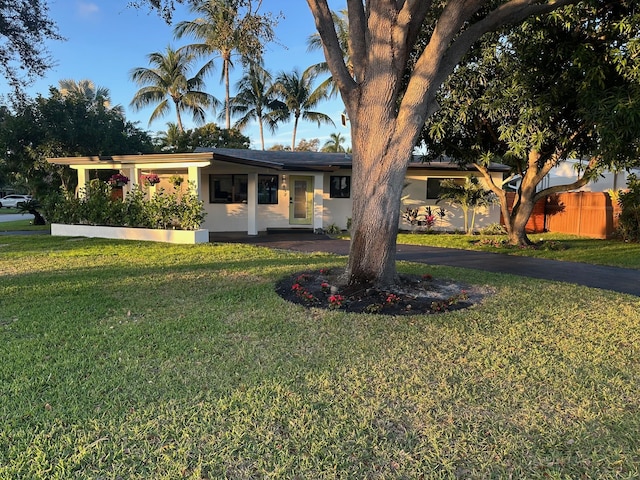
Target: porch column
x=132 y=173
x=135 y=178
x=318 y=201
x=83 y=179
x=252 y=204
x=194 y=176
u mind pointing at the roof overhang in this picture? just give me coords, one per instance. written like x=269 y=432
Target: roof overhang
x=281 y=161
x=155 y=160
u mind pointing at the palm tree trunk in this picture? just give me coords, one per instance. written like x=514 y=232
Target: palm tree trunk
x=179 y=118
x=261 y=131
x=227 y=96
x=295 y=129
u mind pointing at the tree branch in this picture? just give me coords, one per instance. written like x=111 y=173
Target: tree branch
x=591 y=166
x=331 y=46
x=513 y=11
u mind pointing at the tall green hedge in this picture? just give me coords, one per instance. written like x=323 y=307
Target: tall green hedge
x=629 y=220
x=96 y=205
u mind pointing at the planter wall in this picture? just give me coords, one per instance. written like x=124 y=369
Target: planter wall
x=127 y=233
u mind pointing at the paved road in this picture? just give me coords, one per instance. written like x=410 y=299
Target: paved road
x=623 y=280
x=10 y=217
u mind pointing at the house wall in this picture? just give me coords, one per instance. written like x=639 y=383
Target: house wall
x=335 y=211
x=568 y=172
x=414 y=195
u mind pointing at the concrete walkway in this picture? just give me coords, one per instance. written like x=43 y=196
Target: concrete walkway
x=623 y=280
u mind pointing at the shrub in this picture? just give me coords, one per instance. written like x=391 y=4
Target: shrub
x=494 y=229
x=629 y=219
x=333 y=229
x=95 y=205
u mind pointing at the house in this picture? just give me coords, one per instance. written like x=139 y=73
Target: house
x=254 y=191
x=571 y=170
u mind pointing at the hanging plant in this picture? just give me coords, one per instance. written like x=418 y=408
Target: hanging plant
x=150 y=179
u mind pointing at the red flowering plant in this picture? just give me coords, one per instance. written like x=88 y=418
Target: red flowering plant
x=150 y=179
x=336 y=301
x=118 y=180
x=303 y=293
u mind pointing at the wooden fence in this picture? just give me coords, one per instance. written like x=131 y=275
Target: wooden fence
x=589 y=214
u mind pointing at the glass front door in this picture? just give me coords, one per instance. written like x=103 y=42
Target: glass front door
x=301 y=201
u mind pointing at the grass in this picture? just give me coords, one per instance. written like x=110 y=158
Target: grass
x=23 y=225
x=558 y=247
x=139 y=360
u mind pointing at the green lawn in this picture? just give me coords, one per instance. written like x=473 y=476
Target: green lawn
x=555 y=246
x=22 y=225
x=138 y=360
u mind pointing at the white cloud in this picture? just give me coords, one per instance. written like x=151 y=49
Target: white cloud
x=87 y=10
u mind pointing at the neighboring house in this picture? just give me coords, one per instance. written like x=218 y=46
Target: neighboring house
x=570 y=170
x=254 y=191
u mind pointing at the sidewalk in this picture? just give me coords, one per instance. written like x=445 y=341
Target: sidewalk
x=622 y=280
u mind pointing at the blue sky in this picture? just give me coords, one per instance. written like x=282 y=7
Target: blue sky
x=106 y=39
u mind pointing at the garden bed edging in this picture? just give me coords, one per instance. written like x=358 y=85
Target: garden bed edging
x=130 y=233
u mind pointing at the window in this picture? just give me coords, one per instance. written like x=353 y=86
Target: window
x=228 y=188
x=433 y=186
x=268 y=189
x=340 y=186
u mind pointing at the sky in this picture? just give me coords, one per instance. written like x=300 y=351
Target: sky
x=106 y=39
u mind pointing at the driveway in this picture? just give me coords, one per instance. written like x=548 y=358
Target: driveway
x=10 y=217
x=622 y=280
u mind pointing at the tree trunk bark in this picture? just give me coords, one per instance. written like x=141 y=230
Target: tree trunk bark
x=375 y=214
x=520 y=214
x=380 y=157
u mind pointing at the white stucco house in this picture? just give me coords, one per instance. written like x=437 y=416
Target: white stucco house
x=255 y=191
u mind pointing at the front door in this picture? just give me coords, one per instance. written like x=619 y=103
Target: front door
x=301 y=201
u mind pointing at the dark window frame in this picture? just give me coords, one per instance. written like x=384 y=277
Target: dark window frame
x=268 y=192
x=239 y=189
x=433 y=188
x=338 y=191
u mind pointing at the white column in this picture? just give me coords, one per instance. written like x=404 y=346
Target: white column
x=252 y=204
x=83 y=179
x=318 y=201
x=194 y=176
x=133 y=173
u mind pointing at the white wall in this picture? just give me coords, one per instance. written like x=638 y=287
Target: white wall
x=415 y=196
x=336 y=211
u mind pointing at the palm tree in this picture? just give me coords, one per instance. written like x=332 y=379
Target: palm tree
x=297 y=92
x=334 y=144
x=222 y=30
x=87 y=90
x=169 y=81
x=341 y=22
x=470 y=195
x=169 y=139
x=254 y=101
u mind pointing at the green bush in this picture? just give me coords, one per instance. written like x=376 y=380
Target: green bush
x=96 y=206
x=629 y=219
x=493 y=229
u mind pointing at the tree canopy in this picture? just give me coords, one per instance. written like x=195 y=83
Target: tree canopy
x=24 y=28
x=557 y=87
x=61 y=126
x=170 y=81
x=209 y=135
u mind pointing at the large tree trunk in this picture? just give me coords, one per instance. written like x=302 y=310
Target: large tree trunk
x=381 y=156
x=385 y=117
x=375 y=214
x=518 y=218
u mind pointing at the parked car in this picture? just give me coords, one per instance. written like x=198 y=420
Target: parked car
x=12 y=201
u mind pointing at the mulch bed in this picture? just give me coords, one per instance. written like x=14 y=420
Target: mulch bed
x=411 y=295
